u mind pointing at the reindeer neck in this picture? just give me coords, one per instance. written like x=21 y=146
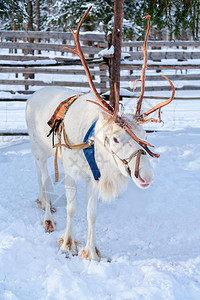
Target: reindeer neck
x=103 y=156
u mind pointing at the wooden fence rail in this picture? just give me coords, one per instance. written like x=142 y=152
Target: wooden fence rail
x=84 y=36
x=30 y=60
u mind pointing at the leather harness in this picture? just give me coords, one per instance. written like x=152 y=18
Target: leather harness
x=57 y=127
x=126 y=161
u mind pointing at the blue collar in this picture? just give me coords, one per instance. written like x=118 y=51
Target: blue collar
x=89 y=153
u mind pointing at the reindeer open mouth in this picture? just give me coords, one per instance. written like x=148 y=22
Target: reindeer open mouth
x=143 y=184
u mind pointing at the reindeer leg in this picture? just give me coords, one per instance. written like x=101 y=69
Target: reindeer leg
x=41 y=197
x=67 y=242
x=44 y=199
x=91 y=251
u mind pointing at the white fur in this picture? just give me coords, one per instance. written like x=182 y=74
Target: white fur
x=78 y=120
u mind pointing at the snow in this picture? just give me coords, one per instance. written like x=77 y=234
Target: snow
x=151 y=237
x=165 y=62
x=8 y=95
x=96 y=32
x=152 y=240
x=29 y=62
x=107 y=52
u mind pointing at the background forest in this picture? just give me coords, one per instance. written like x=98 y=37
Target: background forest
x=176 y=19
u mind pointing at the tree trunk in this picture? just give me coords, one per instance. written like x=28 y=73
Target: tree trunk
x=14 y=27
x=49 y=13
x=117 y=43
x=37 y=14
x=30 y=40
x=37 y=19
x=30 y=15
x=30 y=24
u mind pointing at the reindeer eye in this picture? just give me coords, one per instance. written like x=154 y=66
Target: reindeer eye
x=115 y=140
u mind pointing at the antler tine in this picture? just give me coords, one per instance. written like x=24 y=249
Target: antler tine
x=160 y=105
x=139 y=102
x=76 y=34
x=142 y=143
x=77 y=50
x=101 y=102
x=102 y=107
x=82 y=20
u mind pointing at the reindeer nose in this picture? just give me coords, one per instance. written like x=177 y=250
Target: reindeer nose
x=146 y=176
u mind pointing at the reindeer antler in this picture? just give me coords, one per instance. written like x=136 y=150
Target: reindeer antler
x=78 y=51
x=100 y=101
x=142 y=118
x=139 y=102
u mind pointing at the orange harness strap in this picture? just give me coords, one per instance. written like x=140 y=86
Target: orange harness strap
x=56 y=124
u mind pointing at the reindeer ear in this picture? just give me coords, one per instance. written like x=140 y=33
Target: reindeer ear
x=105 y=118
x=106 y=121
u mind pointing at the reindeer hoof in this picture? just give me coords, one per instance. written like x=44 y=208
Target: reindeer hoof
x=68 y=246
x=49 y=226
x=91 y=253
x=41 y=204
x=85 y=254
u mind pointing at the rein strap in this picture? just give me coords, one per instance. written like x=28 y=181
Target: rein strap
x=70 y=146
x=66 y=145
x=57 y=127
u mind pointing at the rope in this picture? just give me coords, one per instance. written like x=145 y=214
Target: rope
x=137 y=164
x=66 y=145
x=56 y=165
x=70 y=146
x=57 y=126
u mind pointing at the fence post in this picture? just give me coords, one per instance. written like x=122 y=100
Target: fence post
x=102 y=78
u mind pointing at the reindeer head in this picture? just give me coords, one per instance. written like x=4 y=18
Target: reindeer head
x=123 y=151
x=125 y=131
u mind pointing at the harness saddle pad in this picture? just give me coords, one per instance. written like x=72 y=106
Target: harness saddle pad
x=55 y=122
x=61 y=110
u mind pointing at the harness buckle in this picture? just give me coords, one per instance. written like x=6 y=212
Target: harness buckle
x=90 y=141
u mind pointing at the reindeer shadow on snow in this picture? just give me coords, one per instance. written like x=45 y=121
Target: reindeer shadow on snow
x=93 y=141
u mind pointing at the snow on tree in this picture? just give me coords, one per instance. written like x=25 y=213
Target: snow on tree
x=179 y=17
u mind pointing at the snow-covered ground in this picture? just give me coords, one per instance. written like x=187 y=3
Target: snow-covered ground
x=152 y=237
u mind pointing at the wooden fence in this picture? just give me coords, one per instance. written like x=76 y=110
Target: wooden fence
x=30 y=60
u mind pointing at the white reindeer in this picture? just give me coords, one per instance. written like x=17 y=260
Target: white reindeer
x=119 y=149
